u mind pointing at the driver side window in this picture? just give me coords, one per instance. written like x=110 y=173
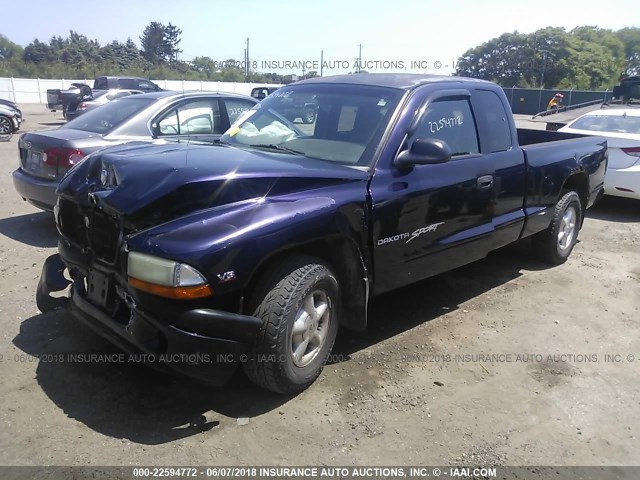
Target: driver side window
x=450 y=120
x=199 y=117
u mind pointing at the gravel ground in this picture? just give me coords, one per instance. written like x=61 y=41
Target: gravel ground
x=502 y=362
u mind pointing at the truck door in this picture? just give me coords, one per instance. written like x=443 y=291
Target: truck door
x=427 y=219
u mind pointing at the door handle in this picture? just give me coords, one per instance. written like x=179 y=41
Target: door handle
x=485 y=182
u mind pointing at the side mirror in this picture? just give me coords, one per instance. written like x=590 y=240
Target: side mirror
x=424 y=151
x=155 y=130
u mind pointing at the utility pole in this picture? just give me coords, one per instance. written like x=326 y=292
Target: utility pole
x=359 y=57
x=533 y=59
x=545 y=53
x=246 y=62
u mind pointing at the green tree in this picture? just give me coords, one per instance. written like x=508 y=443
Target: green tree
x=630 y=38
x=152 y=41
x=9 y=50
x=37 y=52
x=171 y=40
x=587 y=57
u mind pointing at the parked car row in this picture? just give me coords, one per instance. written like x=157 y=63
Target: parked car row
x=68 y=100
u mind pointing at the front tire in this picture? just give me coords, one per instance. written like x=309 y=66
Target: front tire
x=308 y=116
x=298 y=303
x=6 y=128
x=554 y=245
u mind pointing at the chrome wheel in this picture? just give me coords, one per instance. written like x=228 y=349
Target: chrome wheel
x=567 y=230
x=5 y=126
x=309 y=116
x=310 y=328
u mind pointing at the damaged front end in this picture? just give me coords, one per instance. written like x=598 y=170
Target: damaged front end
x=185 y=218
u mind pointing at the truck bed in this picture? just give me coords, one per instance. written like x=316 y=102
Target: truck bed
x=551 y=155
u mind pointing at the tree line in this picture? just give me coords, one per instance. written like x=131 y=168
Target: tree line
x=77 y=56
x=587 y=57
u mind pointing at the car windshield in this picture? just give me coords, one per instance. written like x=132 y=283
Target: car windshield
x=333 y=122
x=110 y=115
x=97 y=94
x=608 y=123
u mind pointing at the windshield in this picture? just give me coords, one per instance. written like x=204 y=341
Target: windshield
x=110 y=115
x=608 y=123
x=334 y=122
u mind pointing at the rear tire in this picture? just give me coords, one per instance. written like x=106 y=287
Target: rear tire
x=298 y=303
x=554 y=245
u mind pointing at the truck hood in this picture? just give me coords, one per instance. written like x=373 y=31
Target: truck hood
x=151 y=184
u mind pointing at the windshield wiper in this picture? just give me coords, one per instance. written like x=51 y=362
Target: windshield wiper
x=279 y=148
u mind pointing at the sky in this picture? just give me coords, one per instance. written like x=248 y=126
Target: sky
x=393 y=33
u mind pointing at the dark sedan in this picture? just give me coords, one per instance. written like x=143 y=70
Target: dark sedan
x=47 y=155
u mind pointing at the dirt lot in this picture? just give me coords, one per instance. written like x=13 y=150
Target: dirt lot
x=543 y=394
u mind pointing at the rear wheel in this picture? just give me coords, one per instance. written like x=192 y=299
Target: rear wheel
x=298 y=303
x=555 y=244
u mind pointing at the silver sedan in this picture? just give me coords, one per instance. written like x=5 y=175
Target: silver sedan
x=46 y=156
x=97 y=99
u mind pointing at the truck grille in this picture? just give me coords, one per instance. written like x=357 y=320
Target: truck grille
x=102 y=236
x=105 y=236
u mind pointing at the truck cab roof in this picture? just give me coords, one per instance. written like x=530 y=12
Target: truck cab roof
x=403 y=81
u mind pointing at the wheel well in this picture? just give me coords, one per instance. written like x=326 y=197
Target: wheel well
x=579 y=183
x=344 y=258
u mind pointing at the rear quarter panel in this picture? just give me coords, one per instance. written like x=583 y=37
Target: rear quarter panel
x=551 y=158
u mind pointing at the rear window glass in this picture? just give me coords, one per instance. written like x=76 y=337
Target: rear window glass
x=110 y=115
x=608 y=123
x=135 y=84
x=494 y=119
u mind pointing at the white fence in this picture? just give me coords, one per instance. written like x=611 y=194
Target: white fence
x=34 y=90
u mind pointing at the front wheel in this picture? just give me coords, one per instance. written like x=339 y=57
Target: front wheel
x=556 y=242
x=298 y=302
x=308 y=116
x=6 y=128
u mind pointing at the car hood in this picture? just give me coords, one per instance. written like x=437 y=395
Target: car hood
x=5 y=110
x=151 y=184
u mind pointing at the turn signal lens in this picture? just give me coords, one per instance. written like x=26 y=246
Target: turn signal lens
x=180 y=293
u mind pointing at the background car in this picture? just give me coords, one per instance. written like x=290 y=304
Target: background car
x=306 y=110
x=10 y=120
x=46 y=156
x=260 y=93
x=98 y=98
x=12 y=105
x=621 y=128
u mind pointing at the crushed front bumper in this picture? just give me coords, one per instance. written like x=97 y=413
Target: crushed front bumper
x=152 y=340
